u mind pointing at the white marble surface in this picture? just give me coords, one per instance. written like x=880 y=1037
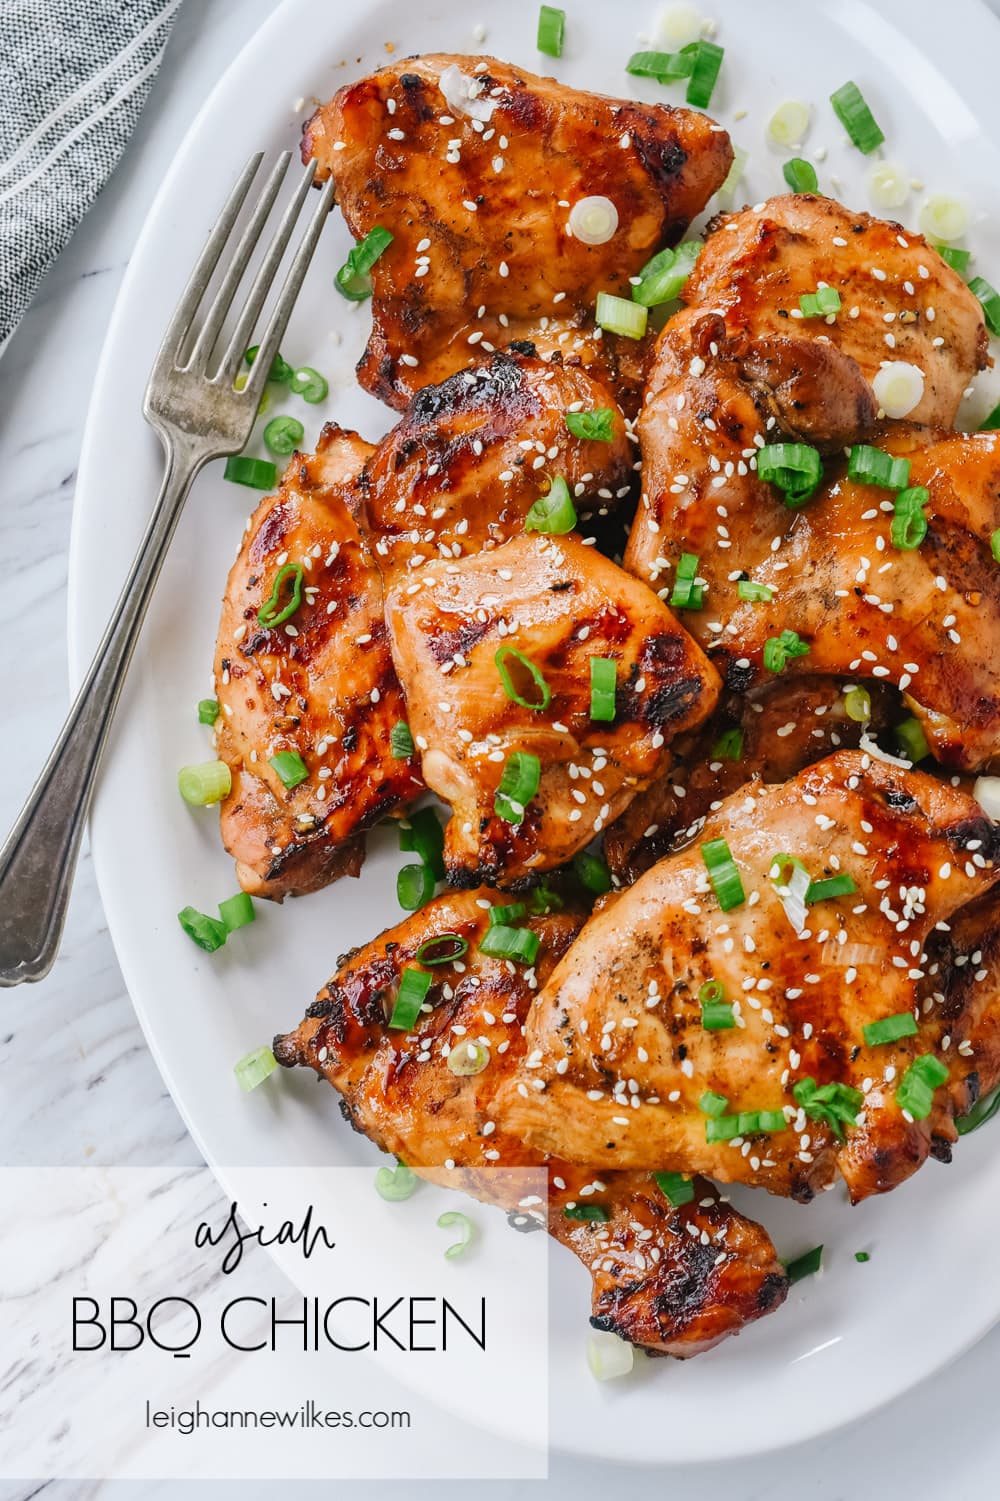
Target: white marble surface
x=76 y=1081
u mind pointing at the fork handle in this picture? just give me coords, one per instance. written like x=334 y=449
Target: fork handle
x=39 y=857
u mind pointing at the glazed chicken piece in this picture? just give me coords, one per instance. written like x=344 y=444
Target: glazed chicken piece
x=474 y=166
x=771 y=734
x=469 y=458
x=320 y=685
x=675 y=1281
x=538 y=610
x=619 y=1067
x=899 y=301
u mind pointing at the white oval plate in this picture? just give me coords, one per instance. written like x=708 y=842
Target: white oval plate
x=856 y=1335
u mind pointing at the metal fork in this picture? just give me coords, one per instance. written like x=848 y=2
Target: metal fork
x=199 y=415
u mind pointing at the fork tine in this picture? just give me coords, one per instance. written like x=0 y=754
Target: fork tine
x=180 y=323
x=278 y=321
x=212 y=323
x=262 y=283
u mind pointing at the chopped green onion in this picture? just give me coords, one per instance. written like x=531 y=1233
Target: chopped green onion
x=663 y=278
x=820 y=304
x=729 y=746
x=272 y=612
x=542 y=695
x=237 y=911
x=414 y=887
x=753 y=592
x=778 y=649
x=862 y=1256
x=723 y=874
x=770 y=1121
x=423 y=835
x=207 y=932
x=519 y=944
x=800 y=175
x=353 y=279
x=554 y=512
x=551 y=30
x=282 y=435
x=957 y=259
x=943 y=217
x=259 y=474
x=597 y=426
x=665 y=67
x=825 y=891
x=789 y=124
x=873 y=466
x=410 y=997
x=290 y=768
x=453 y=1218
x=207 y=783
x=687 y=594
x=911 y=740
x=836 y=1104
x=621 y=317
x=594 y=1214
x=396 y=1184
x=508 y=914
x=989 y=299
x=603 y=686
x=989 y=424
x=675 y=1188
x=401 y=741
x=890 y=1029
x=982 y=1111
x=795 y=468
x=858 y=704
x=716 y=1012
x=208 y=710
x=722 y=1128
x=704 y=74
x=909 y=524
x=544 y=899
x=804 y=1265
x=713 y=1104
x=856 y=118
x=452 y=947
x=609 y=1357
x=592 y=873
x=467 y=1059
x=522 y=774
x=995 y=545
x=916 y=1091
x=280 y=372
x=309 y=384
x=255 y=1068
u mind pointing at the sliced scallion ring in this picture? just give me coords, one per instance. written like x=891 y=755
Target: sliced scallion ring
x=603 y=688
x=396 y=1184
x=401 y=745
x=414 y=887
x=530 y=691
x=553 y=513
x=521 y=777
x=353 y=279
x=789 y=125
x=208 y=782
x=609 y=1357
x=898 y=387
x=857 y=119
x=443 y=948
x=890 y=1029
x=597 y=426
x=520 y=945
x=800 y=175
x=551 y=30
x=255 y=1068
x=888 y=185
x=259 y=474
x=237 y=911
x=413 y=987
x=662 y=279
x=723 y=874
x=272 y=612
x=282 y=435
x=468 y=1058
x=620 y=317
x=593 y=220
x=208 y=710
x=209 y=933
x=943 y=217
x=289 y=767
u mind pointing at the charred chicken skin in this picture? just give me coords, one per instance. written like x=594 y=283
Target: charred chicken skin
x=495 y=654
x=673 y=1280
x=800 y=977
x=470 y=457
x=319 y=685
x=474 y=167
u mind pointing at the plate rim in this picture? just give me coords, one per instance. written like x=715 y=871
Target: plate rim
x=967 y=15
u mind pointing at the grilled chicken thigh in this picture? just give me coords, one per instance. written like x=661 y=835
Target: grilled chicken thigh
x=474 y=167
x=619 y=1067
x=539 y=610
x=320 y=685
x=469 y=458
x=675 y=1281
x=899 y=301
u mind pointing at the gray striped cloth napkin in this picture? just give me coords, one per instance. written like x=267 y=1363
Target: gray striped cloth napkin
x=74 y=75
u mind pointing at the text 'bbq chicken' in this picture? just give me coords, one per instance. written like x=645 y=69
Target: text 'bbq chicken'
x=474 y=167
x=717 y=1015
x=544 y=686
x=674 y=1280
x=309 y=700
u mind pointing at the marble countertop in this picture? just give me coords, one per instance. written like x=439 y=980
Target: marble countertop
x=76 y=1079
